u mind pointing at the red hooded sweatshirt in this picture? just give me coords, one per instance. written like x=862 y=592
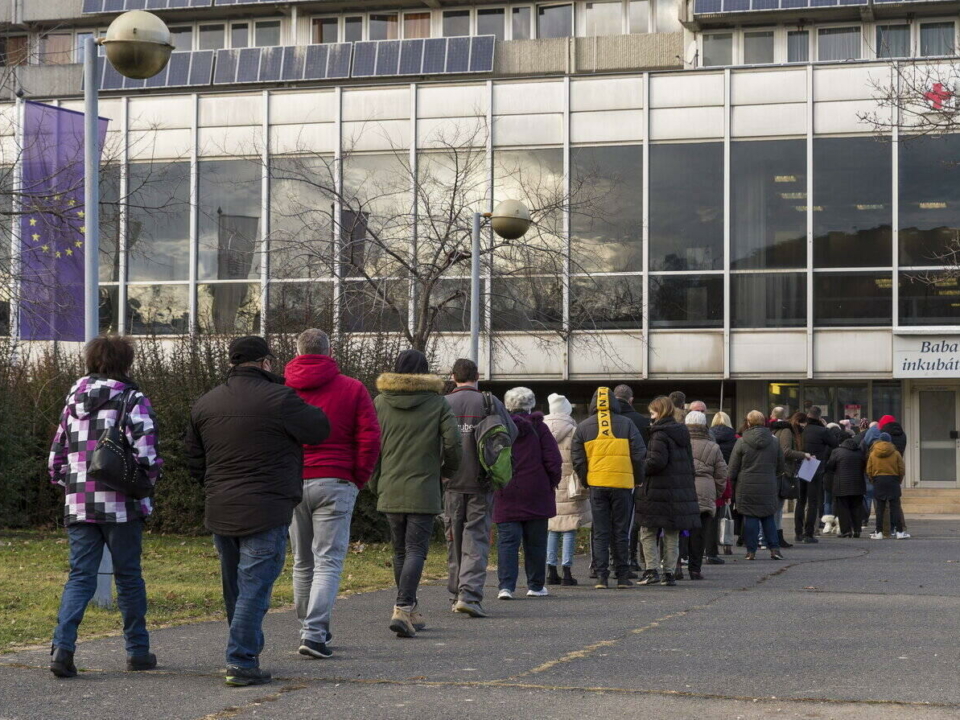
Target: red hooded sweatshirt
x=353 y=446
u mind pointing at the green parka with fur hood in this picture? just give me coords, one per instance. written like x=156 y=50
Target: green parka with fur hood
x=419 y=444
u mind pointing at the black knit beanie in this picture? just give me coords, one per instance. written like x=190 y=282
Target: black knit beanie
x=411 y=362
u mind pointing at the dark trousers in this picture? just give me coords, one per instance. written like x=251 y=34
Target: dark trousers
x=751 y=532
x=849 y=510
x=806 y=517
x=612 y=514
x=532 y=535
x=711 y=548
x=249 y=566
x=87 y=541
x=410 y=534
x=698 y=542
x=896 y=514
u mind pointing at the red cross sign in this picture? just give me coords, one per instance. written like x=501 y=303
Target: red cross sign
x=938 y=96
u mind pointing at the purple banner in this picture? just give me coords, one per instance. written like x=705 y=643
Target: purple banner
x=53 y=225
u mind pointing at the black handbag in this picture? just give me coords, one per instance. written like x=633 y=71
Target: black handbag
x=788 y=488
x=114 y=462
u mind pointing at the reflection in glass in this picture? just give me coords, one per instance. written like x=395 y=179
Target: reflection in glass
x=490 y=21
x=929 y=299
x=606 y=208
x=554 y=21
x=158 y=309
x=893 y=41
x=379 y=306
x=606 y=302
x=295 y=306
x=717 y=49
x=886 y=399
x=686 y=206
x=852 y=299
x=110 y=223
x=686 y=301
x=377 y=215
x=521 y=23
x=758 y=47
x=109 y=309
x=852 y=208
x=929 y=199
x=450 y=305
x=529 y=303
x=603 y=18
x=768 y=300
x=158 y=228
x=228 y=308
x=838 y=43
x=301 y=217
x=229 y=219
x=768 y=187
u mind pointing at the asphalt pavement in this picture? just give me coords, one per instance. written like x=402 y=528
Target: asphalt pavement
x=841 y=629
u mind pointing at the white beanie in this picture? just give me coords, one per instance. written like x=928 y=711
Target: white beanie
x=695 y=417
x=559 y=405
x=519 y=399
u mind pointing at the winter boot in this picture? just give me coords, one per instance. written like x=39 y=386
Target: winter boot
x=568 y=578
x=402 y=622
x=61 y=663
x=417 y=619
x=552 y=577
x=783 y=540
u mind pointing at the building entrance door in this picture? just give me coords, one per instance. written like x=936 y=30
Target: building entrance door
x=939 y=440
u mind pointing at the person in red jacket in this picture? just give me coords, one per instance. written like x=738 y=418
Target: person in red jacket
x=333 y=473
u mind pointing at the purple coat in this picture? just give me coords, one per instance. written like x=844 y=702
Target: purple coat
x=536 y=473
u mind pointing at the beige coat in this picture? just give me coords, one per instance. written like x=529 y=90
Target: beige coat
x=571 y=514
x=711 y=470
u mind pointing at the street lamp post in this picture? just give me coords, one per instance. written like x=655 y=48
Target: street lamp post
x=138 y=45
x=510 y=220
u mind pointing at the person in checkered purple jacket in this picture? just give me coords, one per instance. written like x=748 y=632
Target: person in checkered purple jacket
x=96 y=516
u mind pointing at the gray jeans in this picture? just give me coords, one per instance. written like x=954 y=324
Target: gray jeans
x=651 y=549
x=466 y=519
x=320 y=536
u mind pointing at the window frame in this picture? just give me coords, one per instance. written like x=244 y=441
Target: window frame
x=916 y=37
x=864 y=52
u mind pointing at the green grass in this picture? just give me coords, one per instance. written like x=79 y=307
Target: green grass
x=182 y=575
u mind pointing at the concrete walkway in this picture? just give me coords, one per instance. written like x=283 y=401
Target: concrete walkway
x=842 y=629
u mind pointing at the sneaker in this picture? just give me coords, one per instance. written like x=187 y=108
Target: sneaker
x=668 y=580
x=542 y=592
x=624 y=583
x=601 y=583
x=751 y=556
x=243 y=677
x=61 y=663
x=650 y=577
x=136 y=663
x=876 y=536
x=775 y=555
x=502 y=595
x=716 y=561
x=473 y=609
x=684 y=561
x=903 y=535
x=315 y=649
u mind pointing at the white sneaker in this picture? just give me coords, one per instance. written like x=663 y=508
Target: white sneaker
x=542 y=592
x=876 y=536
x=903 y=535
x=504 y=595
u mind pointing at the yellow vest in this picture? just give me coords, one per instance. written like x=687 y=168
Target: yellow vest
x=608 y=457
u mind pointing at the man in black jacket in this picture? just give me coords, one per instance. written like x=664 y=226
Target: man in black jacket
x=245 y=443
x=819 y=441
x=624 y=393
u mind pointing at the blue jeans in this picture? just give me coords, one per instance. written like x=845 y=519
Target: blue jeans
x=532 y=534
x=867 y=501
x=86 y=549
x=569 y=545
x=751 y=532
x=249 y=566
x=320 y=536
x=827 y=502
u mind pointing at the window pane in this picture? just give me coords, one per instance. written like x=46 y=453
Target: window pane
x=326 y=30
x=212 y=37
x=416 y=25
x=377 y=217
x=606 y=208
x=376 y=306
x=521 y=23
x=383 y=27
x=639 y=16
x=228 y=308
x=798 y=46
x=80 y=45
x=229 y=219
x=109 y=311
x=158 y=309
x=56 y=49
x=768 y=187
x=668 y=16
x=929 y=299
x=603 y=18
x=606 y=303
x=851 y=202
x=268 y=33
x=717 y=49
x=848 y=299
x=686 y=301
x=239 y=35
x=771 y=300
x=490 y=22
x=893 y=41
x=526 y=303
x=838 y=43
x=353 y=29
x=929 y=199
x=936 y=39
x=182 y=38
x=301 y=217
x=295 y=306
x=554 y=21
x=886 y=399
x=758 y=48
x=451 y=300
x=110 y=223
x=686 y=207
x=158 y=230
x=16 y=50
x=456 y=23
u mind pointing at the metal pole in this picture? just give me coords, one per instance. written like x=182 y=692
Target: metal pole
x=91 y=256
x=475 y=291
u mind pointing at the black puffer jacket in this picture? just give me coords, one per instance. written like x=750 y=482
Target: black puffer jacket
x=726 y=438
x=245 y=442
x=756 y=465
x=819 y=441
x=641 y=421
x=897 y=436
x=847 y=465
x=668 y=496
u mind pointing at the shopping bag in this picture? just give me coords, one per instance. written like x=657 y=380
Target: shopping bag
x=725 y=526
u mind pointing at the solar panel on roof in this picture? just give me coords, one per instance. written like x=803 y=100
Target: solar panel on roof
x=113 y=5
x=315 y=66
x=481 y=53
x=156 y=4
x=704 y=7
x=175 y=4
x=388 y=58
x=133 y=83
x=135 y=4
x=226 y=68
x=293 y=62
x=110 y=79
x=364 y=59
x=160 y=79
x=766 y=4
x=178 y=69
x=92 y=6
x=248 y=66
x=434 y=56
x=201 y=67
x=458 y=55
x=411 y=57
x=270 y=64
x=338 y=66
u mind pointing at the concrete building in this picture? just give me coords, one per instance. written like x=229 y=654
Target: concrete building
x=756 y=244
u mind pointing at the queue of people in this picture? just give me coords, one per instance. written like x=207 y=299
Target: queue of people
x=286 y=457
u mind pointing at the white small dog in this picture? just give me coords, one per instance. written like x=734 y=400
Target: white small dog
x=830 y=525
